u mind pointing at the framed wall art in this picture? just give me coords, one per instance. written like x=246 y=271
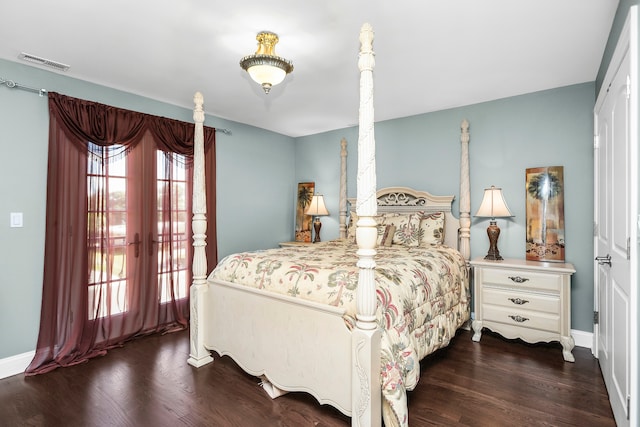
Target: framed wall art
x=303 y=222
x=545 y=213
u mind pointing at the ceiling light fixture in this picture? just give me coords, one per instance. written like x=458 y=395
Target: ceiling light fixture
x=265 y=67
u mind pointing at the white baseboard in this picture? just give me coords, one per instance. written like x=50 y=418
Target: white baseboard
x=15 y=365
x=583 y=339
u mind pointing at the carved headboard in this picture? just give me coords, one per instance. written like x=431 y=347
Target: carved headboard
x=404 y=199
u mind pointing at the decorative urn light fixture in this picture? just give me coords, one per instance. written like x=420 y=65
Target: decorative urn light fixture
x=265 y=67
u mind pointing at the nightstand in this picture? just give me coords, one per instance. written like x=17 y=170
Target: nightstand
x=294 y=244
x=523 y=299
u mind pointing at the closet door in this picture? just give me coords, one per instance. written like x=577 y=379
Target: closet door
x=615 y=213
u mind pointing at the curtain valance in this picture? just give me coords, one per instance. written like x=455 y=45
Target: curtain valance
x=87 y=121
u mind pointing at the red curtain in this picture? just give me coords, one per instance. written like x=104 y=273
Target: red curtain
x=77 y=323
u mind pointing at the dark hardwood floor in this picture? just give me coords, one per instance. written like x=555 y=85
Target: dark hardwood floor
x=149 y=383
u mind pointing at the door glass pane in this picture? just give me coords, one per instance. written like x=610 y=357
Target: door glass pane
x=173 y=227
x=106 y=232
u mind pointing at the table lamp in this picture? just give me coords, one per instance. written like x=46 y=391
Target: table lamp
x=317 y=209
x=493 y=206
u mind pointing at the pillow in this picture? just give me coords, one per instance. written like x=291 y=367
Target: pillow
x=389 y=231
x=407 y=227
x=385 y=232
x=432 y=229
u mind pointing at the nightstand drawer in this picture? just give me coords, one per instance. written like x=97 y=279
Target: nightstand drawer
x=524 y=318
x=521 y=279
x=515 y=300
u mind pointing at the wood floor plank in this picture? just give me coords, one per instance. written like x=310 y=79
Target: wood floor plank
x=495 y=382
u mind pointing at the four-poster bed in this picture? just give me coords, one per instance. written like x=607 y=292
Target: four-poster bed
x=329 y=341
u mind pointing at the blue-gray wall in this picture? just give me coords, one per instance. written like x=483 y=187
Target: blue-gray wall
x=549 y=128
x=254 y=168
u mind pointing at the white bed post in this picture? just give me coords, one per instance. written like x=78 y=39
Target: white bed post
x=366 y=402
x=343 y=188
x=198 y=354
x=465 y=203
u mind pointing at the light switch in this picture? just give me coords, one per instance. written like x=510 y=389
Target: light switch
x=16 y=219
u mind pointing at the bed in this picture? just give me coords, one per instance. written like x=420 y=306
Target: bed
x=341 y=320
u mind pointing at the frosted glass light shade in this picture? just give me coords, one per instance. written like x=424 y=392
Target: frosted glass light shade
x=269 y=74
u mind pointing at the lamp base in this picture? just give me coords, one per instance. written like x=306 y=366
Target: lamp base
x=493 y=231
x=316 y=227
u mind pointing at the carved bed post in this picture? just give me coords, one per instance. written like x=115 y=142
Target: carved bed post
x=366 y=336
x=465 y=203
x=343 y=188
x=198 y=354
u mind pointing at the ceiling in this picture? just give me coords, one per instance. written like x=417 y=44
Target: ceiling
x=430 y=54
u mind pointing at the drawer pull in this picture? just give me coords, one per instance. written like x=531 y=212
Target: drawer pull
x=518 y=279
x=518 y=301
x=518 y=318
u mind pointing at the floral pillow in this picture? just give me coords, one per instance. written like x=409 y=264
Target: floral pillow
x=407 y=226
x=432 y=229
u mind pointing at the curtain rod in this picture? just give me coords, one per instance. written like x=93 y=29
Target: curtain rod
x=13 y=85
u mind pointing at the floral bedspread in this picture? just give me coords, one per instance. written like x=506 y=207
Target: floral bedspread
x=423 y=298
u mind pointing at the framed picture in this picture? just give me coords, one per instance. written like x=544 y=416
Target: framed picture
x=545 y=213
x=303 y=222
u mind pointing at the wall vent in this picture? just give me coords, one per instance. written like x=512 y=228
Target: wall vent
x=42 y=61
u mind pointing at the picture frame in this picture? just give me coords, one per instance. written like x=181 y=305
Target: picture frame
x=303 y=222
x=544 y=187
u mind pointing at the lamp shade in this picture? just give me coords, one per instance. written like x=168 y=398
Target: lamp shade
x=317 y=207
x=493 y=204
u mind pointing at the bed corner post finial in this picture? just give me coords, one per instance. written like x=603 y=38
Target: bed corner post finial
x=198 y=354
x=366 y=337
x=465 y=204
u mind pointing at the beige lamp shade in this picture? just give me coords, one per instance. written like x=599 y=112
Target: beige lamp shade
x=493 y=204
x=317 y=207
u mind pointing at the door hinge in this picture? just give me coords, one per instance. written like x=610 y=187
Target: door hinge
x=628 y=87
x=596 y=318
x=595 y=229
x=596 y=142
x=628 y=248
x=628 y=406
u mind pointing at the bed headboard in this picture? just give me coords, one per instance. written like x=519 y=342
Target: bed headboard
x=457 y=230
x=407 y=200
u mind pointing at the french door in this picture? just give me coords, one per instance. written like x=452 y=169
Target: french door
x=139 y=237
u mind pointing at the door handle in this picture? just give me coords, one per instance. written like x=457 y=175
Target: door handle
x=152 y=242
x=604 y=260
x=136 y=242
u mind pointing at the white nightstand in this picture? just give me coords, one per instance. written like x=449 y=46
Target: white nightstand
x=293 y=244
x=522 y=299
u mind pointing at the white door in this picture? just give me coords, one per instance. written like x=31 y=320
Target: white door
x=615 y=164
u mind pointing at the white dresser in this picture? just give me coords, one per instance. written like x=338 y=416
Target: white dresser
x=529 y=300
